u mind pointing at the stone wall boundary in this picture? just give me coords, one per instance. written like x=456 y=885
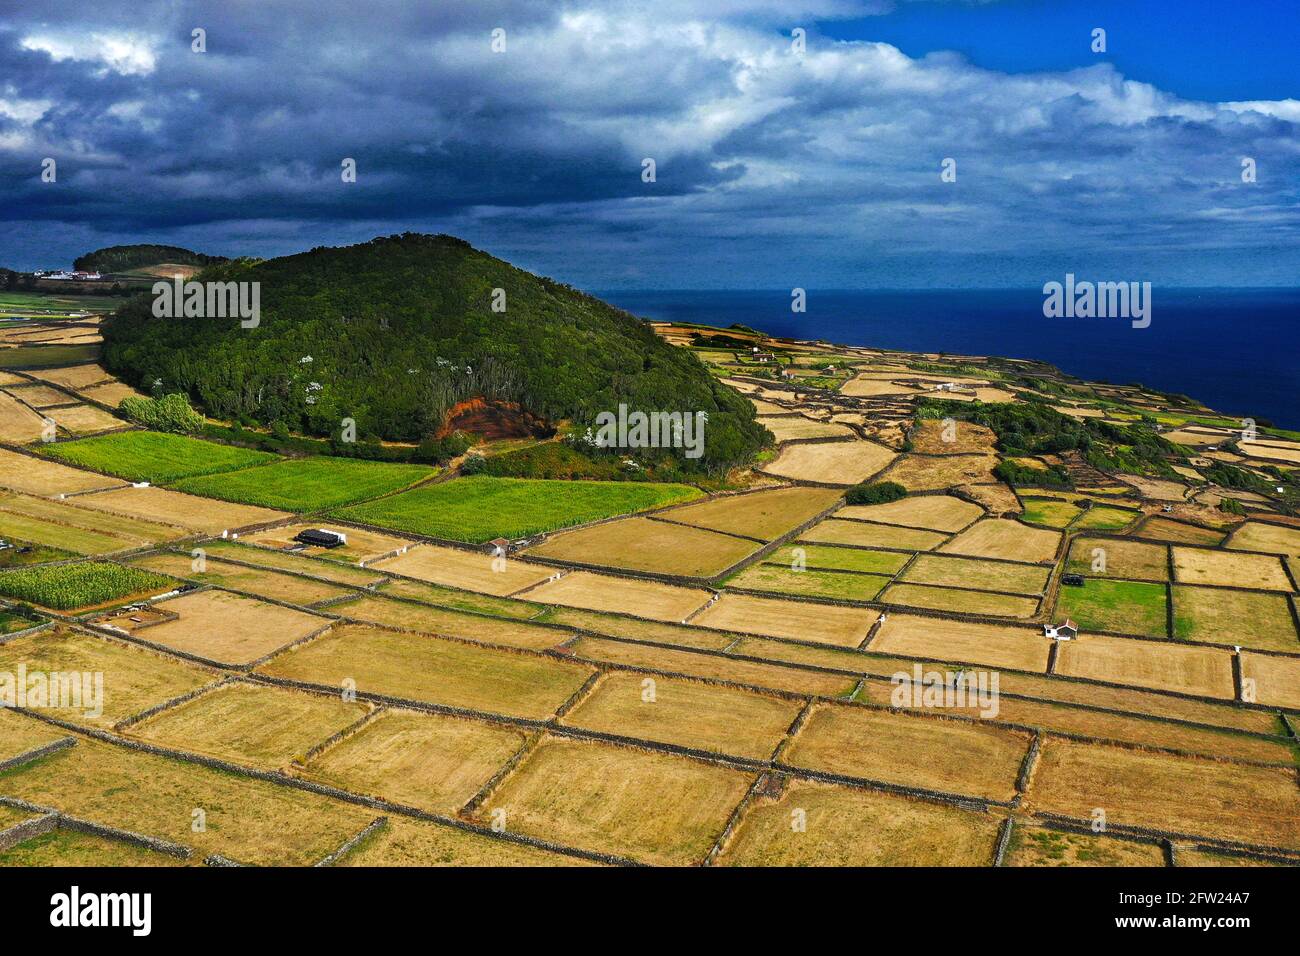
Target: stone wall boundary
x=733 y=820
x=1154 y=834
x=27 y=830
x=169 y=704
x=321 y=790
x=1003 y=841
x=351 y=843
x=63 y=743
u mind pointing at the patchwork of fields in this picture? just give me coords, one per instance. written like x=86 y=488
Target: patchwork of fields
x=656 y=675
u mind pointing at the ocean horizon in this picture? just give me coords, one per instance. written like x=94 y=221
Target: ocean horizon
x=1234 y=349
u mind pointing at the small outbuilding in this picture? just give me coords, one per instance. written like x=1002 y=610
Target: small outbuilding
x=1065 y=631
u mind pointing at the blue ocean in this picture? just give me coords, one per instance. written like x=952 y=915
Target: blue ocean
x=1236 y=350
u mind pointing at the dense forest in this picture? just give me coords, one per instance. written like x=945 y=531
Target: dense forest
x=125 y=258
x=394 y=332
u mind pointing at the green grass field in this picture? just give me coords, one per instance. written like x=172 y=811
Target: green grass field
x=307 y=484
x=842 y=585
x=1126 y=607
x=11 y=301
x=47 y=356
x=23 y=553
x=1105 y=518
x=1049 y=512
x=156 y=457
x=11 y=621
x=64 y=587
x=481 y=508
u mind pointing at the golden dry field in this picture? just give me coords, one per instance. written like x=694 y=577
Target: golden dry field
x=731 y=681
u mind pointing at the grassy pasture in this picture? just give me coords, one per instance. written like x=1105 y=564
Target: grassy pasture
x=1261 y=536
x=62 y=847
x=1179 y=532
x=1142 y=732
x=249 y=820
x=864 y=535
x=691 y=664
x=643 y=544
x=438 y=620
x=976 y=575
x=1217 y=616
x=70 y=514
x=1123 y=559
x=1205 y=671
x=250 y=724
x=1191 y=856
x=761 y=514
x=156 y=457
x=37 y=477
x=1184 y=794
x=994 y=645
x=1040 y=846
x=134 y=679
x=67 y=587
x=932 y=512
x=307 y=484
x=84 y=419
x=838 y=559
x=415 y=667
x=20 y=733
x=601 y=592
x=774 y=617
x=928 y=473
x=836 y=463
x=418 y=843
x=172 y=507
x=46 y=356
x=451 y=598
x=481 y=508
x=1139 y=701
x=849 y=827
x=841 y=585
x=429 y=761
x=236 y=577
x=1105 y=518
x=1125 y=607
x=958 y=599
x=468 y=570
x=950 y=756
x=1232 y=568
x=229 y=628
x=686 y=713
x=785 y=427
x=332 y=571
x=1002 y=538
x=362 y=546
x=71 y=539
x=617 y=625
x=648 y=806
x=1050 y=512
x=1277 y=679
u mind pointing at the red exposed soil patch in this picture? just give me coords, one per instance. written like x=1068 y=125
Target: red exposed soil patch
x=494 y=420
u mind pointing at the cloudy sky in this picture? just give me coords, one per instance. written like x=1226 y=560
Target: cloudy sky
x=775 y=166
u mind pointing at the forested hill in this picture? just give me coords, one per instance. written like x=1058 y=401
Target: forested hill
x=394 y=332
x=125 y=258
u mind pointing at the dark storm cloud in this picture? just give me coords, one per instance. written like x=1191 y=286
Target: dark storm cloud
x=767 y=162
